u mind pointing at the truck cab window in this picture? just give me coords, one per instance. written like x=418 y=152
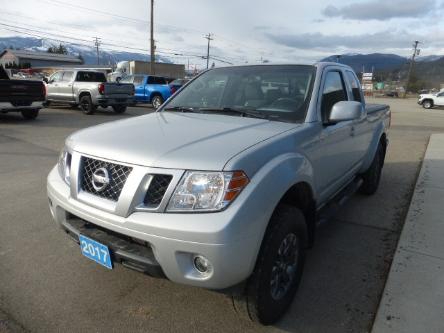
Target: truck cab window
x=354 y=85
x=56 y=77
x=333 y=92
x=156 y=80
x=90 y=77
x=67 y=76
x=138 y=80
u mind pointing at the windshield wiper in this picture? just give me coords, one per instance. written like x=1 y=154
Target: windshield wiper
x=241 y=112
x=181 y=109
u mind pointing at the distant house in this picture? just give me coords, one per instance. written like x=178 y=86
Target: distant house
x=37 y=59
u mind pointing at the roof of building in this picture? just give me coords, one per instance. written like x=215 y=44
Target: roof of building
x=26 y=54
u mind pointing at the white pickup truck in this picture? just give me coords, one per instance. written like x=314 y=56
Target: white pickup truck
x=224 y=186
x=429 y=101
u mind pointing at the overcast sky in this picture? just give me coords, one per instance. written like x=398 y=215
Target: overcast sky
x=244 y=31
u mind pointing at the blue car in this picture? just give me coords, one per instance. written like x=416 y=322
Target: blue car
x=149 y=89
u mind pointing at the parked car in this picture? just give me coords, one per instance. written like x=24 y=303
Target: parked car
x=22 y=96
x=224 y=186
x=429 y=101
x=392 y=93
x=177 y=84
x=88 y=89
x=149 y=89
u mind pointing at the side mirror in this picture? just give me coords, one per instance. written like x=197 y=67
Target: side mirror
x=346 y=110
x=45 y=79
x=118 y=79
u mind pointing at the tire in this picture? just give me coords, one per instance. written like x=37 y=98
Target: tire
x=46 y=104
x=30 y=114
x=372 y=176
x=262 y=301
x=427 y=104
x=86 y=105
x=157 y=101
x=119 y=108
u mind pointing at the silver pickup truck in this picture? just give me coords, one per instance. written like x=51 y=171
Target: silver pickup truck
x=88 y=89
x=224 y=186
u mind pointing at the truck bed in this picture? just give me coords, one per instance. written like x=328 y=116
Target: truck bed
x=21 y=92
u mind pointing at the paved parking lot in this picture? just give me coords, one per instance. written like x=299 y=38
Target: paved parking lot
x=47 y=286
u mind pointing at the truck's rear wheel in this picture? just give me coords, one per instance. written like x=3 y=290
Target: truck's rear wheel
x=119 y=108
x=427 y=104
x=372 y=176
x=157 y=101
x=86 y=105
x=30 y=114
x=275 y=279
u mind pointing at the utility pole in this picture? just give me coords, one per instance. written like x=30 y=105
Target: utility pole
x=208 y=37
x=152 y=47
x=415 y=53
x=97 y=44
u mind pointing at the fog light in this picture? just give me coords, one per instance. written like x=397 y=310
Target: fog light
x=202 y=264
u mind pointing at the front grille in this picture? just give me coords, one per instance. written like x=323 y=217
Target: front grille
x=118 y=175
x=156 y=190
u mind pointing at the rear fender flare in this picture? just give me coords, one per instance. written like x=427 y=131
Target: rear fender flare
x=378 y=133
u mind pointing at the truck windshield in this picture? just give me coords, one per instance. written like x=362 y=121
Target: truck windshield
x=277 y=92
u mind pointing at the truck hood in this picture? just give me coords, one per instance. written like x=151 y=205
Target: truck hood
x=422 y=96
x=175 y=140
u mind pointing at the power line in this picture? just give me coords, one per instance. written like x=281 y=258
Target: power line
x=58 y=29
x=123 y=18
x=97 y=40
x=97 y=11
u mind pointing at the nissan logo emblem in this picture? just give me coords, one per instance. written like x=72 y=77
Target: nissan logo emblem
x=100 y=179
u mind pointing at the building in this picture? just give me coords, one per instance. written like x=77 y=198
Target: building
x=37 y=59
x=48 y=70
x=161 y=69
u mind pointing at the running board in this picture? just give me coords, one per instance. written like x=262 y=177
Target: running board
x=332 y=207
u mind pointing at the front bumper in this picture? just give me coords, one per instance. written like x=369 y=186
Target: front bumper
x=8 y=107
x=174 y=239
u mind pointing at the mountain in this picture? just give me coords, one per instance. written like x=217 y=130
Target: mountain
x=87 y=53
x=376 y=61
x=427 y=73
x=429 y=58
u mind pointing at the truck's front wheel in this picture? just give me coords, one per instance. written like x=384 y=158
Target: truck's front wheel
x=275 y=279
x=427 y=104
x=86 y=105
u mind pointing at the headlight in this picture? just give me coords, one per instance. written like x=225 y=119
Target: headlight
x=207 y=191
x=64 y=165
